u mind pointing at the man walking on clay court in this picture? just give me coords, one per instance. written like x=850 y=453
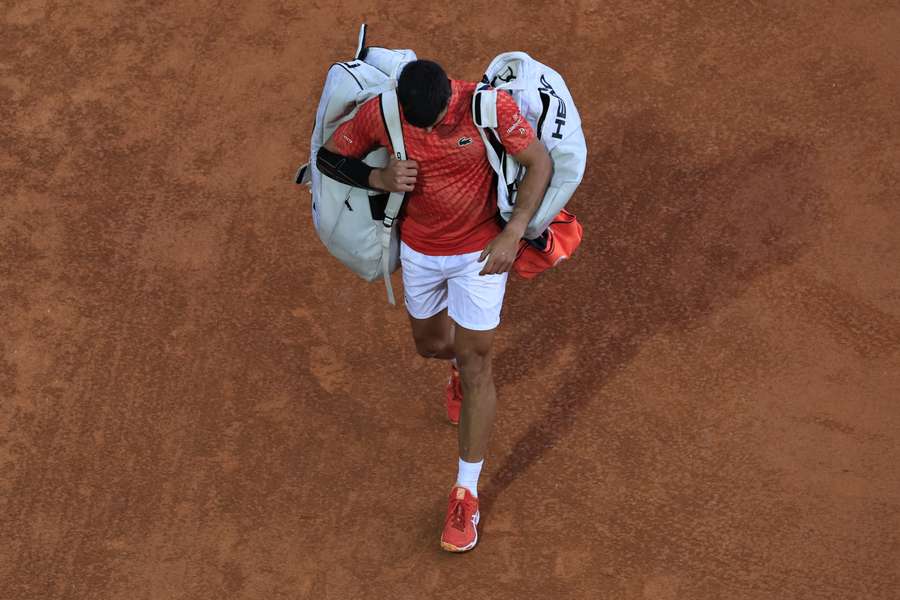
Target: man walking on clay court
x=455 y=256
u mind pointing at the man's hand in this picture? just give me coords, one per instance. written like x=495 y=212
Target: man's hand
x=501 y=252
x=397 y=176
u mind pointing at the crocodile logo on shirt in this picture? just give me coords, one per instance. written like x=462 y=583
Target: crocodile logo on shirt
x=464 y=141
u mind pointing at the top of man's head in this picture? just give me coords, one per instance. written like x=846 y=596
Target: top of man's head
x=424 y=91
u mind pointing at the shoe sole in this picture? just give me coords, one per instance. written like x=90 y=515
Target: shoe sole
x=451 y=548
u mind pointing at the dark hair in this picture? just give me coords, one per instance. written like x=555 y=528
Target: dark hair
x=424 y=91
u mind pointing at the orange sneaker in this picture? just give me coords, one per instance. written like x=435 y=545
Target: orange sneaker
x=454 y=396
x=461 y=525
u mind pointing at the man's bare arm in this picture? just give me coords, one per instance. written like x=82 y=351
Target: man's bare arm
x=501 y=252
x=539 y=168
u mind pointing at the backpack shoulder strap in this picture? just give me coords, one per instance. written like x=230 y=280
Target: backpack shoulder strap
x=484 y=114
x=390 y=113
x=484 y=107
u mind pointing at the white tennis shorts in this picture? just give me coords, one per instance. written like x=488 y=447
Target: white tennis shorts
x=433 y=283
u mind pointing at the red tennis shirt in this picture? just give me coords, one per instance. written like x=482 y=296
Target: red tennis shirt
x=452 y=207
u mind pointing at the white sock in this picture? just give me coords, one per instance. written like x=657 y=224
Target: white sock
x=468 y=475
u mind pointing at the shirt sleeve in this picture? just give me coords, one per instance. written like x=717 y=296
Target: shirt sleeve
x=361 y=134
x=514 y=131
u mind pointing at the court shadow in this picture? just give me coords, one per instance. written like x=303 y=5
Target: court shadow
x=668 y=236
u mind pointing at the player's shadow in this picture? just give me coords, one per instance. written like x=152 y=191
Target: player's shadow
x=665 y=241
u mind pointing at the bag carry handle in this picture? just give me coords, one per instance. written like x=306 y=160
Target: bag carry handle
x=507 y=79
x=390 y=113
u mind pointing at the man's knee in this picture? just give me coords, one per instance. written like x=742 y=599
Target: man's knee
x=430 y=347
x=474 y=362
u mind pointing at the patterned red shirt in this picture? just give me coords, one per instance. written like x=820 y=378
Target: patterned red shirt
x=452 y=207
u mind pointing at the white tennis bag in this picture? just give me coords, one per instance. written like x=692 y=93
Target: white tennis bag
x=547 y=105
x=357 y=225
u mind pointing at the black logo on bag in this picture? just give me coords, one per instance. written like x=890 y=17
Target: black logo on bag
x=546 y=88
x=464 y=141
x=506 y=76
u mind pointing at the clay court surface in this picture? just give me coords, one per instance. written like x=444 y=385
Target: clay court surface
x=198 y=402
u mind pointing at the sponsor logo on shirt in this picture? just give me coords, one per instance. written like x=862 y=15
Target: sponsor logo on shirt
x=347 y=139
x=464 y=141
x=518 y=120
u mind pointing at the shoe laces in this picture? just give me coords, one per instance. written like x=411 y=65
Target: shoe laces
x=458 y=515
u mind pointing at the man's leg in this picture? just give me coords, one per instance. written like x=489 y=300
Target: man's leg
x=434 y=339
x=425 y=294
x=474 y=354
x=474 y=304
